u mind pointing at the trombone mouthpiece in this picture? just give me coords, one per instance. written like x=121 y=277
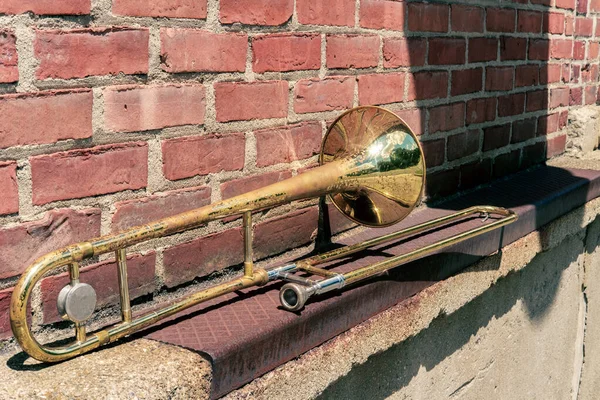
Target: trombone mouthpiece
x=293 y=296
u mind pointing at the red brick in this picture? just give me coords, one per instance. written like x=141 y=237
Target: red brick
x=326 y=12
x=523 y=130
x=529 y=21
x=244 y=185
x=286 y=52
x=582 y=6
x=9 y=72
x=428 y=17
x=533 y=154
x=401 y=52
x=284 y=233
x=466 y=18
x=550 y=73
x=496 y=137
x=464 y=144
x=569 y=25
x=547 y=124
x=382 y=14
x=331 y=93
x=414 y=119
x=506 y=164
x=512 y=48
x=483 y=49
x=513 y=104
x=578 y=50
x=45 y=117
x=202 y=155
x=380 y=88
x=5 y=330
x=594 y=5
x=561 y=48
x=527 y=75
x=593 y=50
x=591 y=94
x=567 y=4
x=104 y=278
x=23 y=244
x=570 y=73
x=499 y=78
x=584 y=26
x=446 y=117
x=559 y=97
x=434 y=151
x=161 y=8
x=89 y=172
x=195 y=50
x=500 y=20
x=427 y=85
x=447 y=51
x=46 y=7
x=475 y=173
x=142 y=108
x=442 y=183
x=481 y=110
x=352 y=51
x=288 y=143
x=9 y=195
x=256 y=12
x=260 y=100
x=136 y=212
x=539 y=49
x=556 y=146
x=537 y=100
x=554 y=23
x=576 y=96
x=79 y=53
x=466 y=81
x=563 y=120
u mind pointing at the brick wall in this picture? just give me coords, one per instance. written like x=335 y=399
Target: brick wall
x=114 y=113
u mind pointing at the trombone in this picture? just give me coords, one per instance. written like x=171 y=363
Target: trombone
x=373 y=170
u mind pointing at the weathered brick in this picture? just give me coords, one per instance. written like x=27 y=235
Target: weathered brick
x=549 y=73
x=591 y=95
x=447 y=51
x=326 y=12
x=414 y=118
x=196 y=50
x=428 y=17
x=547 y=124
x=539 y=49
x=46 y=7
x=136 y=212
x=559 y=97
x=45 y=117
x=427 y=85
x=9 y=194
x=496 y=137
x=256 y=12
x=466 y=81
x=529 y=21
x=554 y=23
x=483 y=49
x=579 y=50
x=288 y=143
x=512 y=48
x=563 y=119
x=443 y=183
x=527 y=75
x=104 y=279
x=89 y=172
x=466 y=18
x=523 y=130
x=464 y=144
x=161 y=8
x=481 y=110
x=500 y=20
x=582 y=6
x=434 y=151
x=567 y=4
x=561 y=48
x=22 y=244
x=576 y=96
x=593 y=51
x=286 y=52
x=79 y=53
x=260 y=100
x=352 y=51
x=584 y=26
x=537 y=100
x=506 y=164
x=244 y=185
x=402 y=52
x=446 y=117
x=9 y=71
x=475 y=173
x=499 y=78
x=202 y=155
x=382 y=14
x=556 y=146
x=381 y=88
x=331 y=93
x=142 y=108
x=5 y=330
x=513 y=104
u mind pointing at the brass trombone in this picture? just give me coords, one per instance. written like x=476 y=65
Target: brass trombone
x=373 y=170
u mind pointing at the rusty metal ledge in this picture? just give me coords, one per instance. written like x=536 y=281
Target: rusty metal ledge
x=247 y=334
